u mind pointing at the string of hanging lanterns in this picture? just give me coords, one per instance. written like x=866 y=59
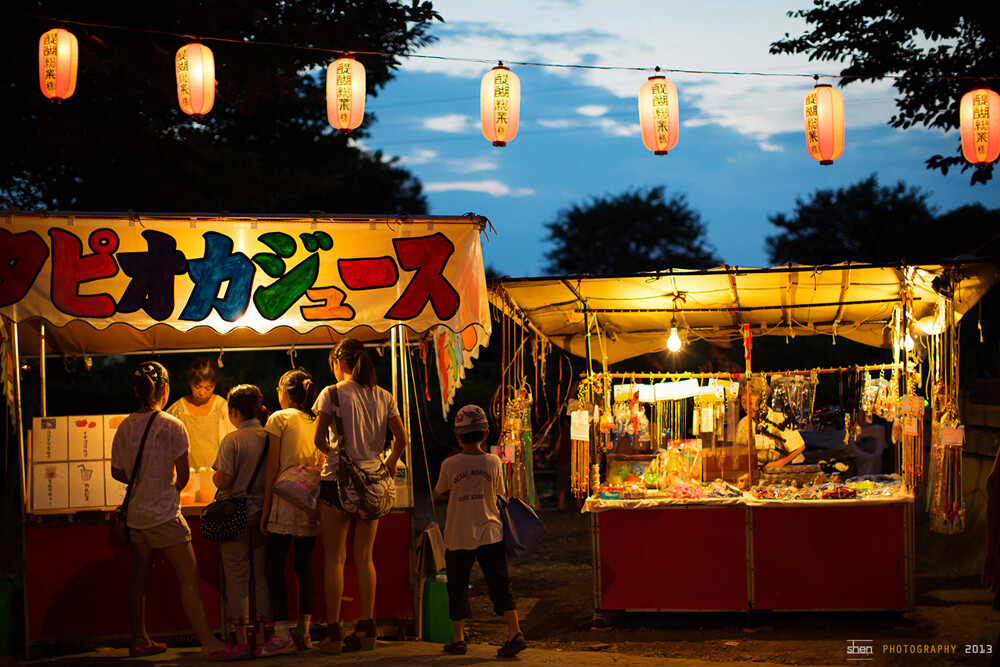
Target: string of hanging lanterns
x=500 y=101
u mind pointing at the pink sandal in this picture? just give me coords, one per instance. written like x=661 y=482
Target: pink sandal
x=231 y=652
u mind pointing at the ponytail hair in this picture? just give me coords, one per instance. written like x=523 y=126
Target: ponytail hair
x=300 y=389
x=148 y=379
x=247 y=400
x=352 y=352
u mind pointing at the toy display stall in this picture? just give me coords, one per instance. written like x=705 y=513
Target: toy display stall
x=684 y=513
x=96 y=284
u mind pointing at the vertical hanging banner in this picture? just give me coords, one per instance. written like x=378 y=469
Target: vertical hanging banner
x=454 y=354
x=89 y=273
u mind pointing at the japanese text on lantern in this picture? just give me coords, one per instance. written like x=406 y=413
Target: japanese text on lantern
x=183 y=82
x=50 y=56
x=812 y=123
x=661 y=113
x=981 y=123
x=501 y=103
x=344 y=92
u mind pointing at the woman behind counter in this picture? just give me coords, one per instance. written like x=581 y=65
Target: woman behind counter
x=203 y=412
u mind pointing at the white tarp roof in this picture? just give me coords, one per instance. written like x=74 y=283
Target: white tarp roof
x=633 y=313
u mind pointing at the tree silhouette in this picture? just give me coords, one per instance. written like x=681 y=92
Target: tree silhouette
x=632 y=232
x=868 y=222
x=121 y=142
x=933 y=51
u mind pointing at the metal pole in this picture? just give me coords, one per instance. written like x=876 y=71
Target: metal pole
x=41 y=365
x=22 y=482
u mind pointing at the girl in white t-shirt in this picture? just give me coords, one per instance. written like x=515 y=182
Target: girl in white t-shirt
x=154 y=510
x=366 y=411
x=290 y=432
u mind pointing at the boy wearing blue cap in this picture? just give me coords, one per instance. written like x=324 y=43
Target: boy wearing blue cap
x=473 y=531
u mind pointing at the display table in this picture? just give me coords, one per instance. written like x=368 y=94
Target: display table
x=76 y=582
x=737 y=555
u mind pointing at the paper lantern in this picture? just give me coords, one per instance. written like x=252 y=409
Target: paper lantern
x=824 y=110
x=658 y=114
x=57 y=60
x=500 y=105
x=345 y=94
x=195 y=66
x=980 y=114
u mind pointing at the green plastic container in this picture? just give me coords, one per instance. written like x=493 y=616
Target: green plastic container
x=12 y=616
x=436 y=624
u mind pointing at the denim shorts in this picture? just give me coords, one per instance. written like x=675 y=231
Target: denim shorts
x=329 y=494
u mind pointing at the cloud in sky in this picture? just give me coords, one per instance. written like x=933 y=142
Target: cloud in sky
x=649 y=33
x=456 y=123
x=490 y=187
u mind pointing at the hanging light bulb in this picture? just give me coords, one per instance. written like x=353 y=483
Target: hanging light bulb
x=824 y=110
x=500 y=105
x=57 y=61
x=674 y=341
x=345 y=94
x=908 y=342
x=658 y=114
x=195 y=69
x=980 y=118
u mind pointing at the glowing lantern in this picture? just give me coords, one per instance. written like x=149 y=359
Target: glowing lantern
x=825 y=123
x=195 y=66
x=345 y=94
x=500 y=105
x=658 y=114
x=57 y=58
x=980 y=113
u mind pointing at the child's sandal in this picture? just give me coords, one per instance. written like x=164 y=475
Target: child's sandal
x=332 y=642
x=456 y=648
x=363 y=637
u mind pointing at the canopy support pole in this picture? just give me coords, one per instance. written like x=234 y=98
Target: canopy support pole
x=41 y=366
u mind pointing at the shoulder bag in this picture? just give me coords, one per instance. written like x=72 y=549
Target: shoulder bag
x=299 y=487
x=521 y=526
x=369 y=495
x=118 y=534
x=222 y=520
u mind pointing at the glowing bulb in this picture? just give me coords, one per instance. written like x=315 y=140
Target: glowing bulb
x=908 y=343
x=674 y=341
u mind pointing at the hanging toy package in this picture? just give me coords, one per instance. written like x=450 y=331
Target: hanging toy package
x=948 y=507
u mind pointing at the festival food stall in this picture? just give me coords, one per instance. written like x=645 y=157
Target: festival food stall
x=97 y=284
x=684 y=513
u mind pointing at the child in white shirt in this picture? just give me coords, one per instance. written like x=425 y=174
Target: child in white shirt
x=473 y=531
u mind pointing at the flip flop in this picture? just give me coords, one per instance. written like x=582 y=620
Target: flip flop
x=152 y=649
x=231 y=652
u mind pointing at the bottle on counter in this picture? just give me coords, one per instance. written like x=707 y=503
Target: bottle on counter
x=189 y=494
x=207 y=494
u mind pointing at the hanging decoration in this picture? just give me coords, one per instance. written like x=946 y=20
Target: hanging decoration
x=57 y=61
x=500 y=105
x=980 y=120
x=195 y=68
x=345 y=94
x=824 y=111
x=658 y=114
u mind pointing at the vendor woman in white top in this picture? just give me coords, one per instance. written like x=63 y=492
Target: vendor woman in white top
x=777 y=443
x=203 y=412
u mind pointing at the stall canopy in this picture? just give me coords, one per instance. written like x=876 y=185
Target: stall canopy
x=630 y=315
x=111 y=284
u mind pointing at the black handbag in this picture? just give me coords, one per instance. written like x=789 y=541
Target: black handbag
x=368 y=495
x=118 y=534
x=222 y=520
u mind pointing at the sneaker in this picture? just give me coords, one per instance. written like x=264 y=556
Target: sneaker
x=276 y=645
x=456 y=648
x=512 y=646
x=303 y=641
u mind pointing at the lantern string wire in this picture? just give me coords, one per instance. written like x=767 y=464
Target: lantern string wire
x=486 y=61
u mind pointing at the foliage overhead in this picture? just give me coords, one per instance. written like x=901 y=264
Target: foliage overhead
x=632 y=232
x=121 y=142
x=868 y=222
x=934 y=52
